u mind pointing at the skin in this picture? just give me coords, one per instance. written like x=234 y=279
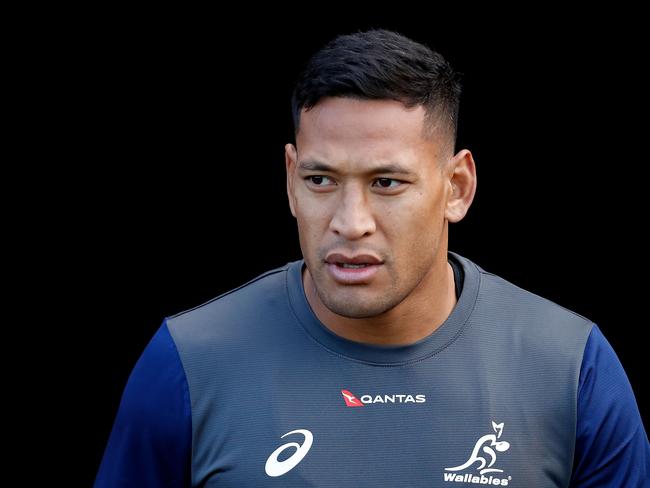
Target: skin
x=401 y=219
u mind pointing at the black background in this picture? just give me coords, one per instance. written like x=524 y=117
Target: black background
x=171 y=127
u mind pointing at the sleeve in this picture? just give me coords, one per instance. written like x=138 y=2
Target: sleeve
x=611 y=443
x=150 y=442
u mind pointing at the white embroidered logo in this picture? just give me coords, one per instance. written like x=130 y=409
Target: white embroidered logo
x=500 y=446
x=274 y=467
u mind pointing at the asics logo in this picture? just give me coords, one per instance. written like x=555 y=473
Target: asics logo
x=274 y=467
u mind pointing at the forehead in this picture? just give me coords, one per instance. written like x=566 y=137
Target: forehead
x=357 y=135
x=351 y=122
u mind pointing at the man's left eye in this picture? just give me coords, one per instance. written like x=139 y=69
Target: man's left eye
x=384 y=180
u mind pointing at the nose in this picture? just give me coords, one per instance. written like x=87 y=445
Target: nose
x=353 y=217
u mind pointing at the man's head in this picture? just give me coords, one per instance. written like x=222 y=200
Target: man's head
x=369 y=100
x=381 y=64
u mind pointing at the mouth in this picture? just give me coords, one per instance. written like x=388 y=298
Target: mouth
x=351 y=265
x=341 y=259
x=353 y=274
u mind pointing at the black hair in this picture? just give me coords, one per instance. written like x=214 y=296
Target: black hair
x=382 y=64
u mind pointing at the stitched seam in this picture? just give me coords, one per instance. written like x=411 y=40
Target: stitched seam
x=257 y=278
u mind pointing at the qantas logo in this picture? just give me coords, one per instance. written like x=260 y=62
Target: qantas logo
x=489 y=445
x=352 y=401
x=275 y=468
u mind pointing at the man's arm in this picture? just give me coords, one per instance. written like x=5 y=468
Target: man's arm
x=150 y=443
x=612 y=446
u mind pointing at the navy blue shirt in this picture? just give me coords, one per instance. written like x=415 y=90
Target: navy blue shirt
x=182 y=422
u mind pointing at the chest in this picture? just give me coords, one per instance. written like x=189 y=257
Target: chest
x=413 y=430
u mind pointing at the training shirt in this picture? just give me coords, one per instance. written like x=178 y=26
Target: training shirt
x=251 y=389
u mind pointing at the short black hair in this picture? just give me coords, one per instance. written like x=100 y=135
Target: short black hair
x=382 y=64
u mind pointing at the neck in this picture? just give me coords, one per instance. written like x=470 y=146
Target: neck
x=417 y=316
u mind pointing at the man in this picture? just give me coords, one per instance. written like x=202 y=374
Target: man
x=380 y=358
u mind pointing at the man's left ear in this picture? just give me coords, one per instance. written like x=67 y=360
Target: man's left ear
x=461 y=185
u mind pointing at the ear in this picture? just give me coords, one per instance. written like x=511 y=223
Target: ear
x=461 y=185
x=290 y=158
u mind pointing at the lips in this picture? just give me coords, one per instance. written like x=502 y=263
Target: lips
x=336 y=258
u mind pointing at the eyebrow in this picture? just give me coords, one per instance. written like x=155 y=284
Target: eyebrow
x=313 y=165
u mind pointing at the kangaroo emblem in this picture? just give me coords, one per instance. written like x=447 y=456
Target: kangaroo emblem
x=500 y=446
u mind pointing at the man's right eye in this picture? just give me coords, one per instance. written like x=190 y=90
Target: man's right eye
x=318 y=179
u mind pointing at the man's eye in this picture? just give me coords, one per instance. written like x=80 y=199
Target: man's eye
x=384 y=182
x=317 y=177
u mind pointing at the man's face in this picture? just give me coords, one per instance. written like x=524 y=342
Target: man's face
x=399 y=218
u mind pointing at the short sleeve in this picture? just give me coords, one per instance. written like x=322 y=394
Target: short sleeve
x=611 y=443
x=150 y=442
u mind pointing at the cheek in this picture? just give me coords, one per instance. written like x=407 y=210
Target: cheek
x=311 y=222
x=314 y=212
x=413 y=215
x=414 y=230
x=308 y=206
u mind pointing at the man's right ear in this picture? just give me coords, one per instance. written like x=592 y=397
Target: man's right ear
x=290 y=158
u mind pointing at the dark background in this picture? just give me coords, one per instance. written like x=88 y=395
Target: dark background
x=173 y=185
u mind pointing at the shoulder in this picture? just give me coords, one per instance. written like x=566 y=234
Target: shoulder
x=159 y=373
x=150 y=442
x=526 y=323
x=611 y=443
x=526 y=307
x=222 y=316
